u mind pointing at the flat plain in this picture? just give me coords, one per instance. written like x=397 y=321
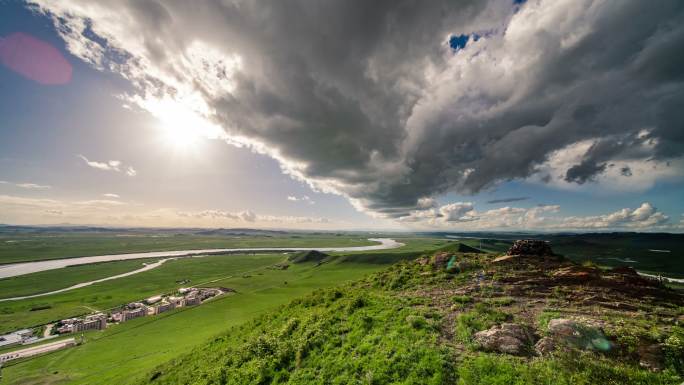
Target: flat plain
x=135 y=347
x=130 y=351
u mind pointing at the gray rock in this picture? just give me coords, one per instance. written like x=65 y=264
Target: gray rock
x=545 y=346
x=506 y=338
x=530 y=247
x=571 y=334
x=651 y=357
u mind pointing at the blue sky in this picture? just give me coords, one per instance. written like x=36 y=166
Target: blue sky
x=271 y=170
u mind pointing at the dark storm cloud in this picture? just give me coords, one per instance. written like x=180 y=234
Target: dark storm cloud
x=368 y=99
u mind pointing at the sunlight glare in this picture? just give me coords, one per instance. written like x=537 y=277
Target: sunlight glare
x=182 y=128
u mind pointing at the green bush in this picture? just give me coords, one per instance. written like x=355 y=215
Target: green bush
x=462 y=299
x=674 y=350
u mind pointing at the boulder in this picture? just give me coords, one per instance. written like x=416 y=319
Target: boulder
x=505 y=258
x=440 y=260
x=576 y=274
x=530 y=247
x=627 y=275
x=571 y=334
x=506 y=338
x=545 y=346
x=651 y=357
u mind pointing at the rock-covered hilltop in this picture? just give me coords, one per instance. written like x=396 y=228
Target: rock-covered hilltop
x=530 y=247
x=527 y=317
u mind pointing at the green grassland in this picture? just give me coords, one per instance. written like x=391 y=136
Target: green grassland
x=50 y=280
x=394 y=327
x=606 y=249
x=382 y=328
x=104 y=295
x=626 y=249
x=168 y=277
x=114 y=355
x=34 y=247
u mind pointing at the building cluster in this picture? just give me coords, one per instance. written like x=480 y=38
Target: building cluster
x=19 y=337
x=151 y=306
x=161 y=303
x=97 y=321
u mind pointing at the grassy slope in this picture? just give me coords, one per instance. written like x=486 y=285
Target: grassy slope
x=610 y=249
x=395 y=327
x=21 y=248
x=137 y=346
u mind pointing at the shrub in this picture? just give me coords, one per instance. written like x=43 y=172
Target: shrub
x=674 y=350
x=500 y=301
x=417 y=321
x=462 y=299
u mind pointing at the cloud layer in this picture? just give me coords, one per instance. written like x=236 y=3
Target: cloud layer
x=110 y=165
x=23 y=210
x=26 y=185
x=369 y=99
x=464 y=216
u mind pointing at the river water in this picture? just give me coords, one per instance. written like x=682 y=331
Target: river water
x=15 y=269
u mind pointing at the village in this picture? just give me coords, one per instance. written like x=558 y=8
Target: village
x=151 y=306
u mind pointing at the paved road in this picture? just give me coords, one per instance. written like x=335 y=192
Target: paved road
x=40 y=349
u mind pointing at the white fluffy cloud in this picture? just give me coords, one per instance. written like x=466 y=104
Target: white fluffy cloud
x=110 y=165
x=26 y=185
x=385 y=112
x=303 y=198
x=23 y=210
x=249 y=216
x=644 y=216
x=464 y=216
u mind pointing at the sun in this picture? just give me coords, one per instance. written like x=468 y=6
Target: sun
x=179 y=136
x=181 y=127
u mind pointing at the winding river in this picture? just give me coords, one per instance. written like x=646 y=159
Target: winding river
x=16 y=269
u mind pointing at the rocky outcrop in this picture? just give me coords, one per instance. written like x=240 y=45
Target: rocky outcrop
x=506 y=338
x=530 y=247
x=651 y=357
x=440 y=260
x=565 y=333
x=576 y=274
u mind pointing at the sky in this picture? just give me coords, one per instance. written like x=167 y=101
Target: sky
x=560 y=115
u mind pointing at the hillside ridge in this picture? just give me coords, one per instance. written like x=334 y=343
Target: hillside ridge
x=458 y=318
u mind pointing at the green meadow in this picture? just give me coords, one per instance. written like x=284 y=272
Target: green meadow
x=104 y=295
x=129 y=349
x=34 y=247
x=51 y=280
x=139 y=345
